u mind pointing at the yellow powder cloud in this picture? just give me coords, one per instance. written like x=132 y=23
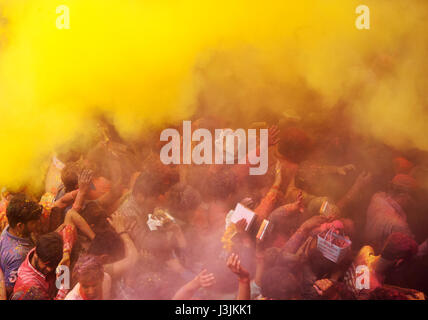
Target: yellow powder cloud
x=152 y=61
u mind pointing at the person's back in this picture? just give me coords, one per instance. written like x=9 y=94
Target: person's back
x=386 y=212
x=384 y=216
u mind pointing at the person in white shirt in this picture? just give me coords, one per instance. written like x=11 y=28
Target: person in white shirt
x=93 y=283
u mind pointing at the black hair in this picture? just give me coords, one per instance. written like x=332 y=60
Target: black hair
x=221 y=184
x=279 y=283
x=319 y=264
x=95 y=215
x=88 y=266
x=108 y=242
x=399 y=246
x=69 y=176
x=294 y=144
x=49 y=248
x=183 y=198
x=154 y=181
x=156 y=243
x=22 y=210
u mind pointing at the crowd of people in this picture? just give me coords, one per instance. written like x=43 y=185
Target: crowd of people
x=126 y=226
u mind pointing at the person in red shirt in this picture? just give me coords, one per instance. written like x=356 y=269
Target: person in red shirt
x=36 y=275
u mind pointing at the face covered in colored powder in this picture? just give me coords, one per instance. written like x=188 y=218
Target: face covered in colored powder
x=91 y=287
x=44 y=267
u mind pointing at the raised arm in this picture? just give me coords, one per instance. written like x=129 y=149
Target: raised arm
x=73 y=217
x=202 y=280
x=69 y=236
x=110 y=198
x=298 y=238
x=360 y=183
x=84 y=180
x=288 y=209
x=122 y=226
x=66 y=199
x=177 y=235
x=244 y=289
x=260 y=263
x=268 y=202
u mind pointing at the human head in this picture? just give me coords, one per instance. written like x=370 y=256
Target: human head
x=23 y=215
x=402 y=189
x=108 y=246
x=69 y=176
x=156 y=243
x=275 y=257
x=182 y=200
x=334 y=148
x=153 y=182
x=279 y=283
x=319 y=264
x=89 y=272
x=420 y=173
x=399 y=247
x=294 y=144
x=95 y=215
x=221 y=184
x=48 y=252
x=402 y=165
x=271 y=256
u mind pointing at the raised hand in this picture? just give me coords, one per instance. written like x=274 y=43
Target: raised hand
x=205 y=279
x=297 y=205
x=84 y=180
x=234 y=264
x=120 y=223
x=364 y=178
